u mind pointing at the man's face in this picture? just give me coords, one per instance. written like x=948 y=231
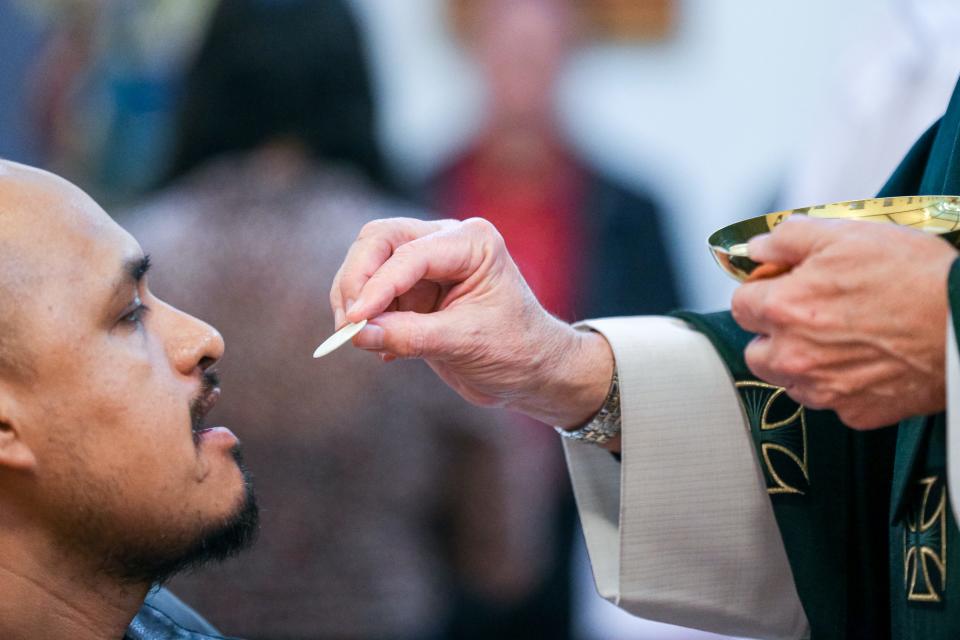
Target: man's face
x=103 y=380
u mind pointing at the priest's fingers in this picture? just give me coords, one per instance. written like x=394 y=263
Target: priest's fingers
x=788 y=363
x=759 y=307
x=791 y=242
x=406 y=334
x=778 y=362
x=448 y=257
x=757 y=357
x=374 y=245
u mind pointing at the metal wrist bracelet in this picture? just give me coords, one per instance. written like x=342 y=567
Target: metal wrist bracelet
x=605 y=425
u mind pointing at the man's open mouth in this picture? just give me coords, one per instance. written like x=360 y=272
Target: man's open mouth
x=203 y=404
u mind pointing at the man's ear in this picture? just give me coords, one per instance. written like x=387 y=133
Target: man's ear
x=14 y=452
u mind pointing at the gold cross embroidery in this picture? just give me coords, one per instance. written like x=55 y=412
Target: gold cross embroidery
x=781 y=425
x=925 y=543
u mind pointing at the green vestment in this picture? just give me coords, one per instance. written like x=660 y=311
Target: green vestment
x=864 y=516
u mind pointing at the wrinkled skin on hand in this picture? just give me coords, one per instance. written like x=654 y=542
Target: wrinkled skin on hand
x=859 y=323
x=449 y=292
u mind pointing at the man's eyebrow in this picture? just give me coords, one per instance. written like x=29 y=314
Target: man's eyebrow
x=134 y=270
x=138 y=267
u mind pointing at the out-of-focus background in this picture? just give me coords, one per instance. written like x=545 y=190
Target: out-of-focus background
x=245 y=142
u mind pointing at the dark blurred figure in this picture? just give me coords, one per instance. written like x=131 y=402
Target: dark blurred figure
x=379 y=489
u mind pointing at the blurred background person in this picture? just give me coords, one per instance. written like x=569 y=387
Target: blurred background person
x=383 y=496
x=588 y=245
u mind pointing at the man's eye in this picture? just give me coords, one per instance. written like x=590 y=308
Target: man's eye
x=136 y=314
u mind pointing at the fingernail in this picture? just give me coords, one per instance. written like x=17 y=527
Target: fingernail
x=387 y=357
x=370 y=338
x=338 y=318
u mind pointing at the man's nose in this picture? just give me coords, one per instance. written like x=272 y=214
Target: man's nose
x=196 y=344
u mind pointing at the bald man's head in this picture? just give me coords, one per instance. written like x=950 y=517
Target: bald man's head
x=14 y=354
x=103 y=393
x=36 y=210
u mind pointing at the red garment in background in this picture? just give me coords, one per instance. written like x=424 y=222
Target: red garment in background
x=538 y=210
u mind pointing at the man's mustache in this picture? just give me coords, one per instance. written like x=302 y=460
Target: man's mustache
x=200 y=406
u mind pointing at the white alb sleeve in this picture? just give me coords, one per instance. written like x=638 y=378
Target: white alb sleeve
x=681 y=530
x=953 y=418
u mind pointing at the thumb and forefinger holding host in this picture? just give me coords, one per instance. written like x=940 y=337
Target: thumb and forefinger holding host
x=450 y=293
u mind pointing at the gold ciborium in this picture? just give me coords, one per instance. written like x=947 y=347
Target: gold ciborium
x=933 y=214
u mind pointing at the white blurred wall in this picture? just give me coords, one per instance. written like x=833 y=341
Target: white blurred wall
x=713 y=117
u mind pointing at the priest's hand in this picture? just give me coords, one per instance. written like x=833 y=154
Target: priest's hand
x=448 y=292
x=859 y=323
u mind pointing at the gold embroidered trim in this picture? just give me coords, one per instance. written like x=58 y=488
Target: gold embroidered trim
x=758 y=398
x=927 y=548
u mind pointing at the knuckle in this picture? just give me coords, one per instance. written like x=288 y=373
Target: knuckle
x=842 y=389
x=375 y=229
x=791 y=366
x=372 y=229
x=448 y=223
x=415 y=342
x=854 y=417
x=407 y=257
x=760 y=367
x=792 y=362
x=404 y=251
x=754 y=355
x=483 y=228
x=798 y=395
x=741 y=305
x=818 y=399
x=810 y=397
x=481 y=225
